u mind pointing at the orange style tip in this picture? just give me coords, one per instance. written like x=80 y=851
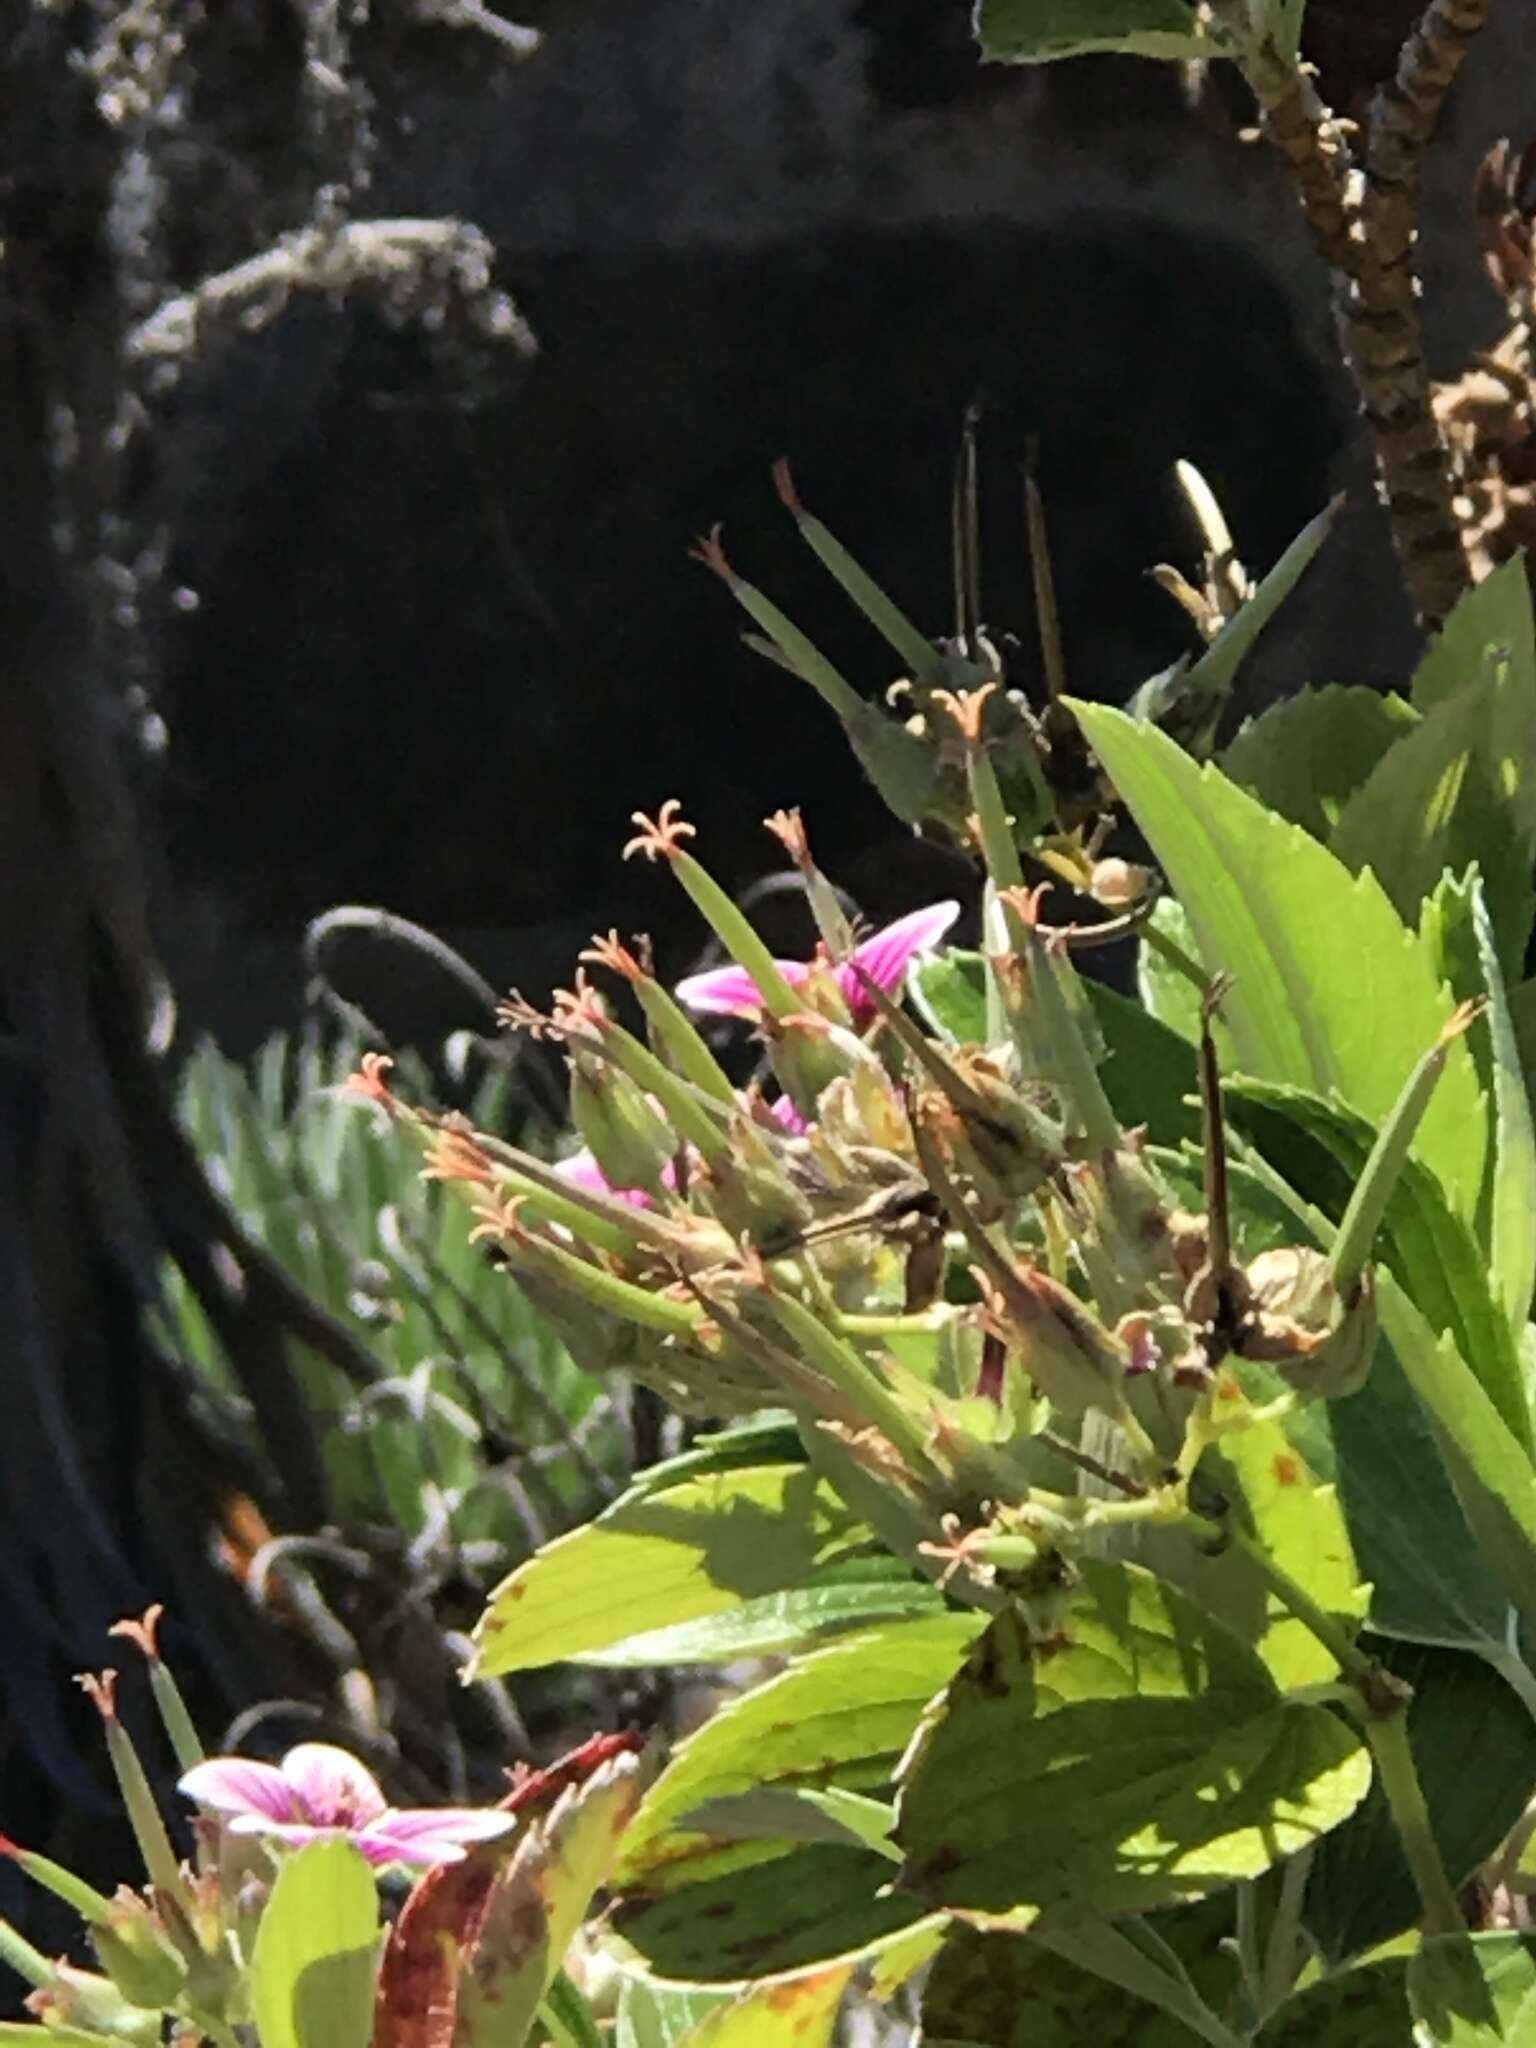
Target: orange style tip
x=10 y=1848
x=709 y=550
x=784 y=484
x=100 y=1688
x=1461 y=1020
x=142 y=1631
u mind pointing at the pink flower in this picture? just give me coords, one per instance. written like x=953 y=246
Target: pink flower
x=885 y=957
x=319 y=1791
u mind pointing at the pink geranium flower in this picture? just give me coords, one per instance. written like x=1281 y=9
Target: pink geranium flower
x=319 y=1791
x=885 y=957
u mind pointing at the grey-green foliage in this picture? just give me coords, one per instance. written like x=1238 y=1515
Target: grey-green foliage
x=479 y=1429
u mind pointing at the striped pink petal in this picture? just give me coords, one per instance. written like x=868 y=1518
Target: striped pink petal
x=884 y=957
x=887 y=954
x=237 y=1785
x=336 y=1791
x=431 y=1834
x=731 y=991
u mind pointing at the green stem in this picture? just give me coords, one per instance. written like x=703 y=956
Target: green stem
x=1283 y=1949
x=993 y=826
x=1388 y=1736
x=734 y=929
x=1171 y=951
x=24 y=1959
x=1356 y=1666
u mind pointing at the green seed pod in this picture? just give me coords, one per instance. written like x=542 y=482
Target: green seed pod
x=628 y=1138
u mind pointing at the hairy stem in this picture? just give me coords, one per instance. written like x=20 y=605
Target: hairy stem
x=1368 y=241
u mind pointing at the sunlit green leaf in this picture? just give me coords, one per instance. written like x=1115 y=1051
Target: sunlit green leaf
x=312 y=1973
x=837 y=1597
x=1330 y=990
x=660 y=1559
x=1307 y=755
x=801 y=2006
x=798 y=1813
x=1474 y=1991
x=840 y=1716
x=1141 y=1755
x=809 y=1905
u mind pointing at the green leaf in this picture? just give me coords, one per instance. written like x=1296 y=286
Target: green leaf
x=1474 y=1991
x=653 y=2014
x=1493 y=617
x=1149 y=1072
x=1433 y=804
x=800 y=2006
x=1166 y=989
x=1513 y=1192
x=949 y=991
x=1140 y=1756
x=663 y=1558
x=1037 y=31
x=538 y=1901
x=312 y=1971
x=1307 y=755
x=1474 y=1746
x=798 y=1813
x=1361 y=2008
x=1488 y=1465
x=844 y=1595
x=1302 y=1526
x=811 y=1905
x=1331 y=991
x=1004 y=1990
x=839 y=1717
x=567 y=2016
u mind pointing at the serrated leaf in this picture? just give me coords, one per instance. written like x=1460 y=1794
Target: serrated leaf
x=1306 y=756
x=1474 y=1991
x=1433 y=804
x=1331 y=991
x=1361 y=2008
x=1474 y=1745
x=1038 y=31
x=1139 y=1757
x=840 y=1716
x=537 y=1903
x=664 y=1558
x=840 y=1596
x=811 y=1905
x=990 y=1990
x=312 y=1970
x=1512 y=1230
x=798 y=1813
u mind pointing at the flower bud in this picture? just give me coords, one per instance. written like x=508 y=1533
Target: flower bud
x=1008 y=1138
x=136 y=1955
x=628 y=1138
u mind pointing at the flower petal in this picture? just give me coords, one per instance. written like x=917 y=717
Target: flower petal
x=431 y=1834
x=731 y=991
x=888 y=953
x=237 y=1785
x=297 y=1832
x=335 y=1790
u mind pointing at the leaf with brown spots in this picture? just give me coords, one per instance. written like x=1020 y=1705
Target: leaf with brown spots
x=423 y=1959
x=1150 y=1759
x=537 y=1904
